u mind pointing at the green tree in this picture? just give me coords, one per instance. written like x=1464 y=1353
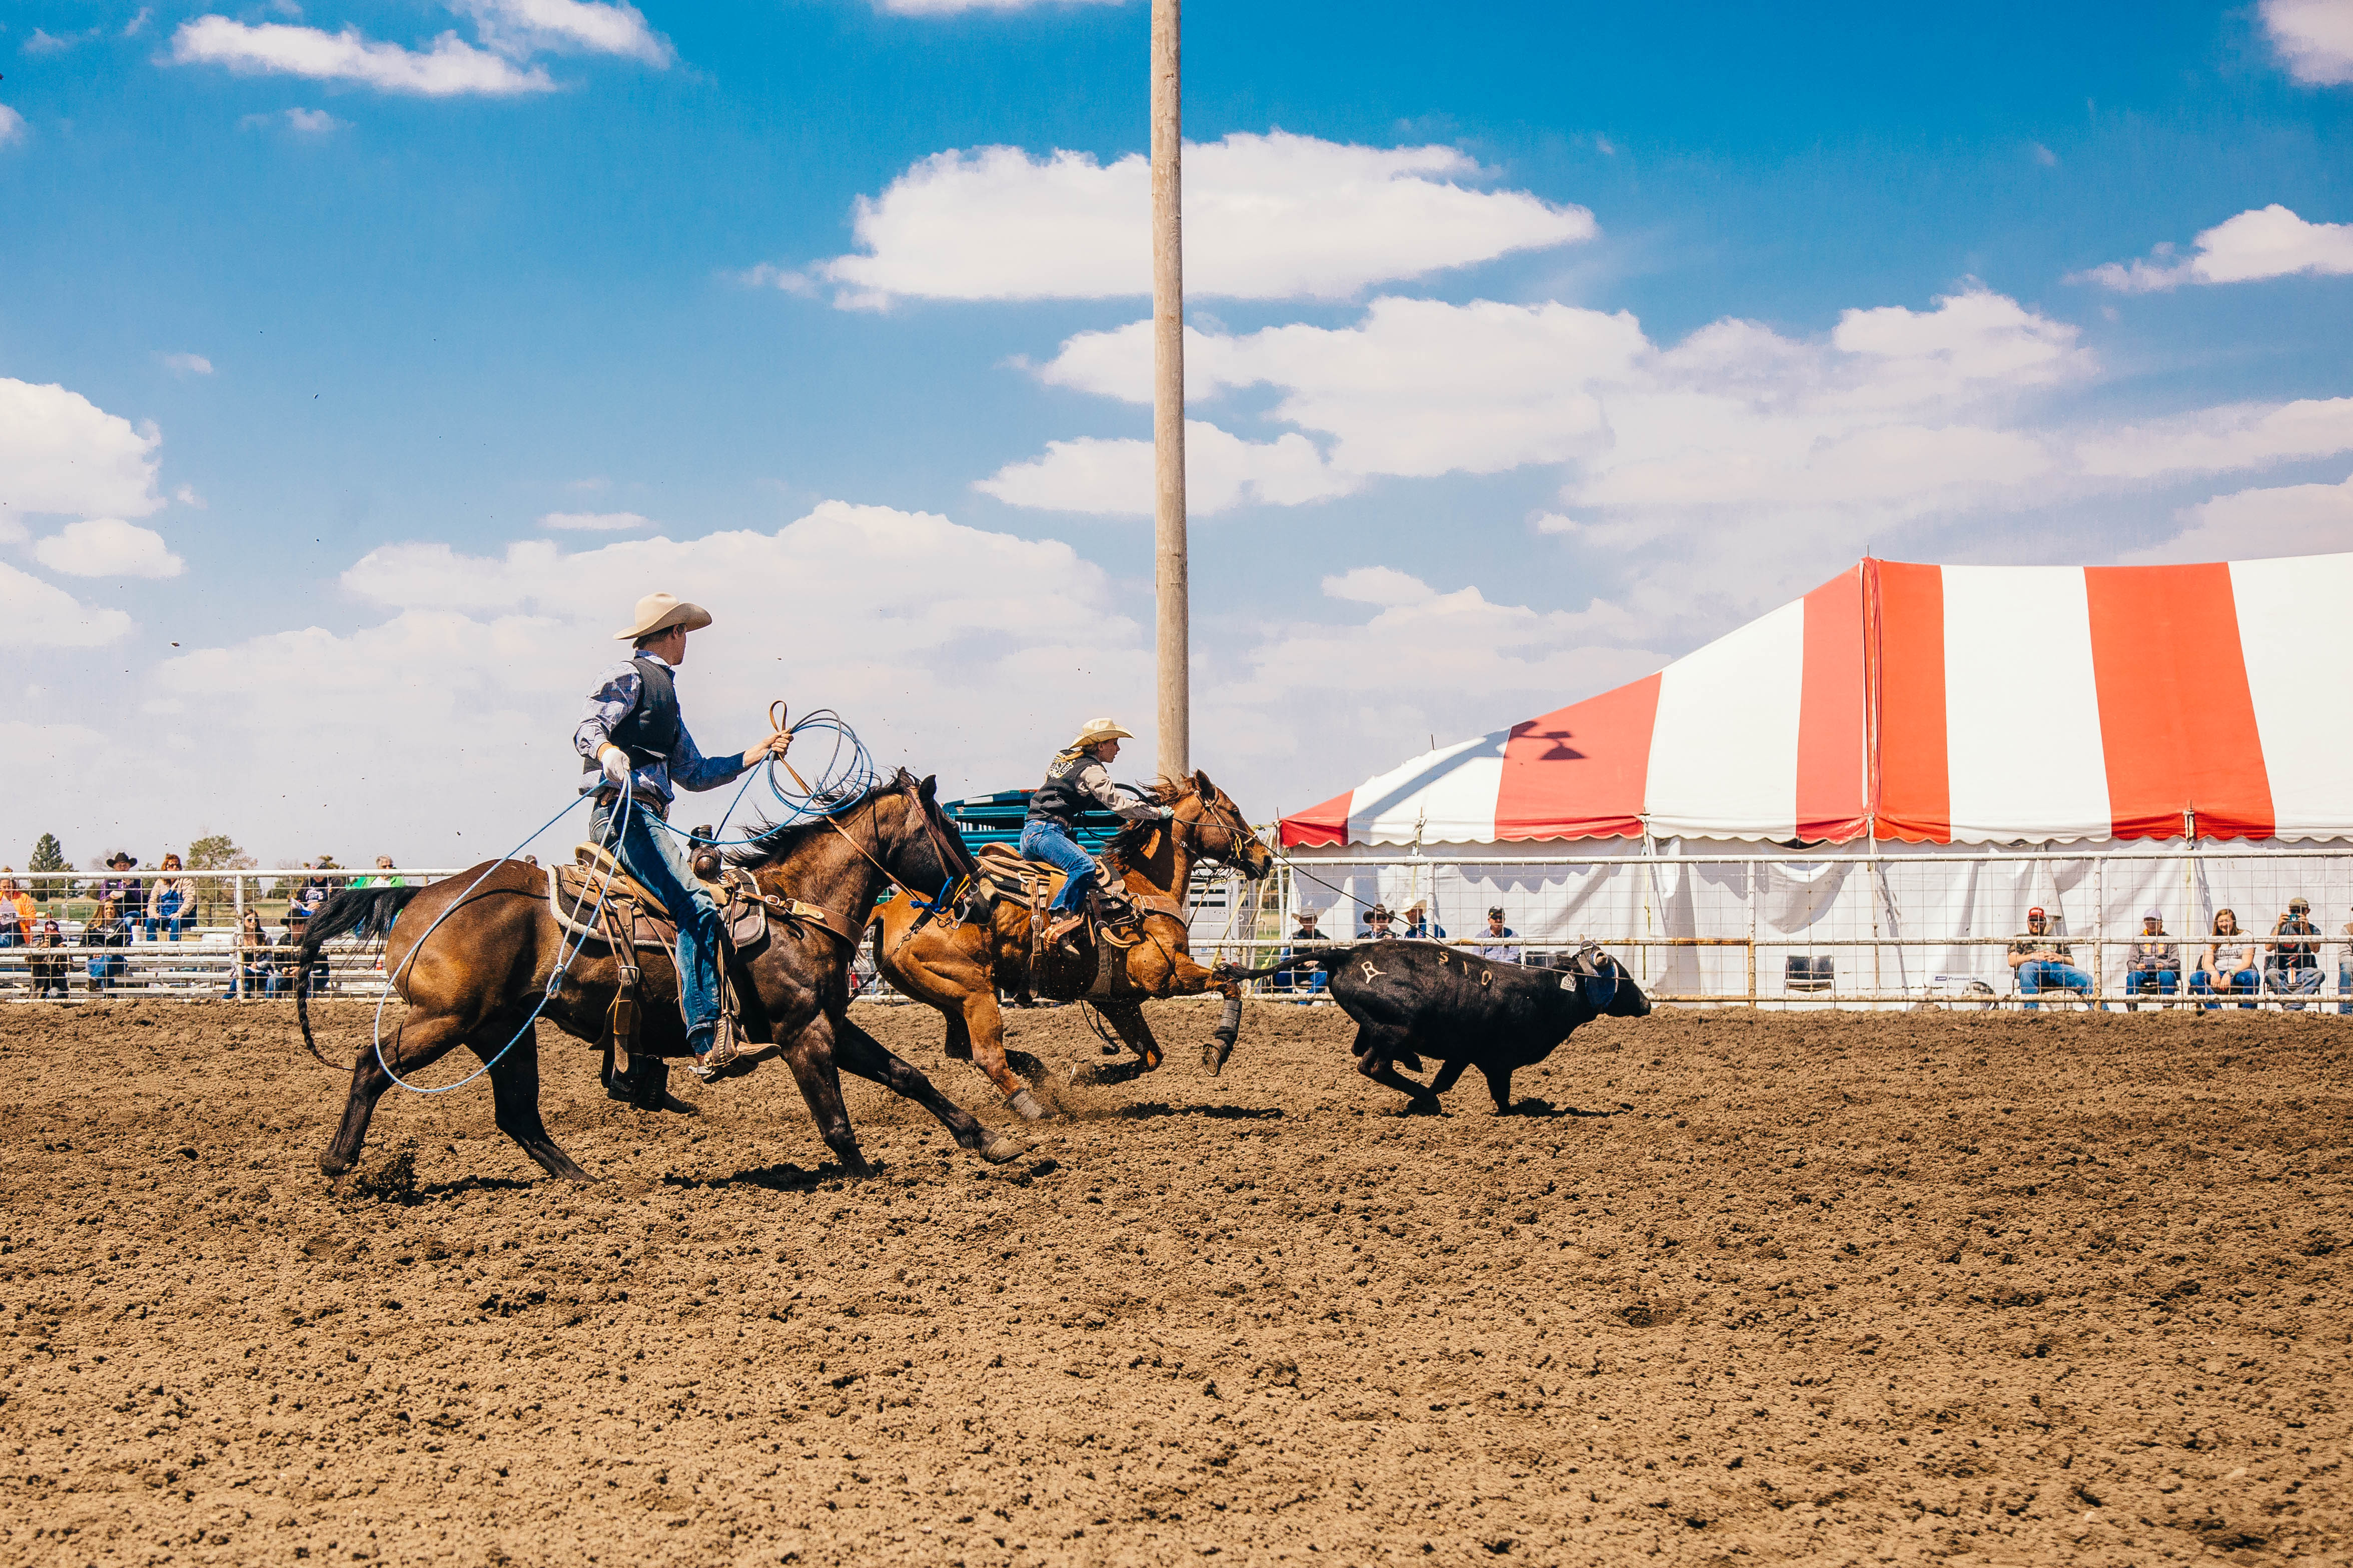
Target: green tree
x=48 y=855
x=215 y=852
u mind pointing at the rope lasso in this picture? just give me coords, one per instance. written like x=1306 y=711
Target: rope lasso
x=617 y=826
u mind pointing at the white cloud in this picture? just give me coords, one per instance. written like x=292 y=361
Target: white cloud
x=2290 y=520
x=1115 y=477
x=2314 y=38
x=35 y=615
x=46 y=43
x=2212 y=440
x=12 y=126
x=957 y=8
x=108 y=547
x=1377 y=586
x=60 y=453
x=594 y=521
x=186 y=496
x=1272 y=216
x=450 y=67
x=2265 y=242
x=312 y=121
x=1895 y=413
x=519 y=27
x=968 y=652
x=186 y=365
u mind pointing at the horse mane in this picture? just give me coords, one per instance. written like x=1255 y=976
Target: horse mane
x=772 y=841
x=1163 y=790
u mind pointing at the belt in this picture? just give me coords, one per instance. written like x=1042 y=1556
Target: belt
x=610 y=797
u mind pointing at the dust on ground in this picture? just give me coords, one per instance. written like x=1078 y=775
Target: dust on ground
x=1750 y=1288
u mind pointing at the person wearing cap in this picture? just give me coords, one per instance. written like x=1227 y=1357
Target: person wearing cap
x=633 y=737
x=2154 y=966
x=49 y=968
x=2043 y=965
x=1077 y=780
x=1495 y=943
x=2292 y=967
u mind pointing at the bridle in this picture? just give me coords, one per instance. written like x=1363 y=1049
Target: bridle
x=1238 y=832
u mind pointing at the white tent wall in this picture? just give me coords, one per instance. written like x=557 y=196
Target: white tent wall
x=1890 y=916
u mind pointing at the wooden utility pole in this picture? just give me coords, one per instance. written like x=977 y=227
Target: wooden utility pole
x=1169 y=569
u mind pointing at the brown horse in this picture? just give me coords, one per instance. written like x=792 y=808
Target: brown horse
x=957 y=966
x=495 y=948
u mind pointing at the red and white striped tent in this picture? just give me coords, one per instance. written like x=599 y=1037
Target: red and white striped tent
x=1935 y=705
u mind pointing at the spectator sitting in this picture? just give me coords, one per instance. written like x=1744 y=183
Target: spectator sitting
x=1377 y=924
x=15 y=914
x=1419 y=926
x=128 y=894
x=384 y=876
x=316 y=888
x=2044 y=965
x=2345 y=972
x=1307 y=937
x=2227 y=964
x=173 y=905
x=257 y=972
x=106 y=927
x=2155 y=965
x=314 y=983
x=1496 y=942
x=49 y=968
x=2294 y=966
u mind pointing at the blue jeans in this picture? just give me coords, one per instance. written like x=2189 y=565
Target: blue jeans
x=2345 y=987
x=2038 y=975
x=2203 y=985
x=2293 y=983
x=165 y=912
x=2142 y=982
x=660 y=859
x=1046 y=841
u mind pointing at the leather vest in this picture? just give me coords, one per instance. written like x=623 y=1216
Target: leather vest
x=651 y=732
x=1059 y=799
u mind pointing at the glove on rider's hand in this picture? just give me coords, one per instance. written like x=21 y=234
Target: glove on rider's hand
x=616 y=763
x=1168 y=813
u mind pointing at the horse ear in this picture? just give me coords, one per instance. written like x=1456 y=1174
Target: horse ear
x=929 y=786
x=1201 y=782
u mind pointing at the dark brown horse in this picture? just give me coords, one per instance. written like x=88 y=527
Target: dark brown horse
x=488 y=961
x=957 y=965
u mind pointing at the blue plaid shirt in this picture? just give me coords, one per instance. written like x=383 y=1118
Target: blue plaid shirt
x=616 y=694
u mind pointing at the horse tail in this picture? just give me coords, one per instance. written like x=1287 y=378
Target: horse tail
x=370 y=911
x=1296 y=960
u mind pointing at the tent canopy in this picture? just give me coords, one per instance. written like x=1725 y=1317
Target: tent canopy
x=1936 y=704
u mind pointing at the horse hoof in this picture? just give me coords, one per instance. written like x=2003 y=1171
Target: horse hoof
x=1149 y=1061
x=1214 y=1055
x=331 y=1167
x=1027 y=1104
x=1002 y=1148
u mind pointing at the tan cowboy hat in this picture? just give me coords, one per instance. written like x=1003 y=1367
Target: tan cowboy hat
x=1098 y=730
x=659 y=612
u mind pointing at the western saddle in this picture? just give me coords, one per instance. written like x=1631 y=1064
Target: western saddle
x=1114 y=915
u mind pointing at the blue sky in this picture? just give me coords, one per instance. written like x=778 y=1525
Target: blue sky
x=1539 y=344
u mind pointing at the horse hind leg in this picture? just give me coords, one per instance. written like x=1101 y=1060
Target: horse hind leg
x=514 y=1095
x=982 y=1023
x=417 y=1043
x=1127 y=1018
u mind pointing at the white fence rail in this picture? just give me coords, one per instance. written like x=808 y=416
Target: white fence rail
x=1844 y=929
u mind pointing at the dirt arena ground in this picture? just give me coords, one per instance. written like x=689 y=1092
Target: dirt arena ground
x=1753 y=1289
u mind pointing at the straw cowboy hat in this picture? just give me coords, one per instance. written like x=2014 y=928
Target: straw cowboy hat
x=659 y=612
x=1097 y=731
